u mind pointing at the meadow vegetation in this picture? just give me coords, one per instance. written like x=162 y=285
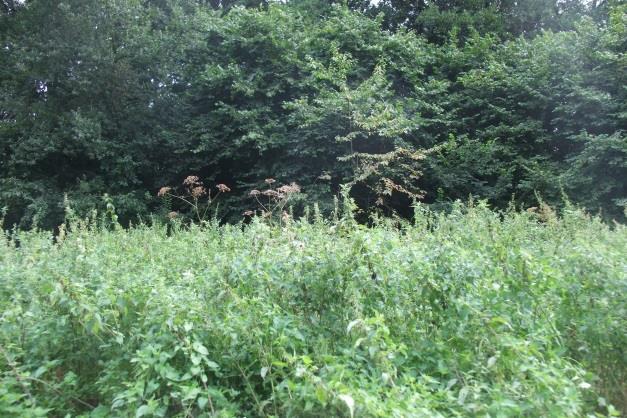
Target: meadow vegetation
x=472 y=313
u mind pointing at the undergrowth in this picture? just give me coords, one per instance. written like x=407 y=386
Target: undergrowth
x=471 y=313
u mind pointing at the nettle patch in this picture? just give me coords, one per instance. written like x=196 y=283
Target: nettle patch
x=473 y=313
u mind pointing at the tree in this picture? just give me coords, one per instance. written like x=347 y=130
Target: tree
x=84 y=87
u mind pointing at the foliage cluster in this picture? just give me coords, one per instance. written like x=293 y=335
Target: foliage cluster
x=434 y=100
x=471 y=313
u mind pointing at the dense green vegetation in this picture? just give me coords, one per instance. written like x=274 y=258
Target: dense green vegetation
x=471 y=313
x=158 y=163
x=436 y=100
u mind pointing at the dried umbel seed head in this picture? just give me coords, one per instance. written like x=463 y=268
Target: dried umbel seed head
x=248 y=213
x=270 y=193
x=289 y=189
x=324 y=176
x=191 y=181
x=254 y=193
x=223 y=188
x=173 y=215
x=163 y=191
x=270 y=181
x=379 y=202
x=198 y=191
x=285 y=217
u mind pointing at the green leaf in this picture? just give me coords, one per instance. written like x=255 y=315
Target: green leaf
x=202 y=402
x=143 y=411
x=200 y=348
x=350 y=403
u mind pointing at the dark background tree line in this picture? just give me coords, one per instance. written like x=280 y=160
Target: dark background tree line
x=436 y=100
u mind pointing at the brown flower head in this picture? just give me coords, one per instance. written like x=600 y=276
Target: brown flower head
x=270 y=193
x=254 y=193
x=191 y=181
x=270 y=181
x=223 y=188
x=248 y=213
x=198 y=191
x=289 y=189
x=173 y=215
x=163 y=191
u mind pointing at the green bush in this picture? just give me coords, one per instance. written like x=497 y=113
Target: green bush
x=474 y=313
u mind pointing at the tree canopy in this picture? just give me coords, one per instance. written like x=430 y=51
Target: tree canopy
x=429 y=100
